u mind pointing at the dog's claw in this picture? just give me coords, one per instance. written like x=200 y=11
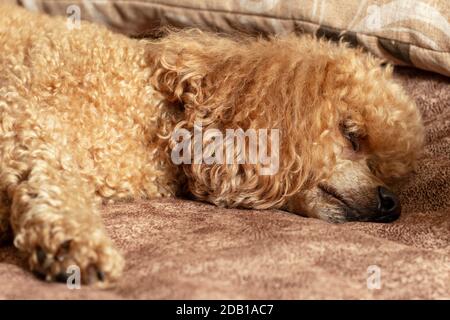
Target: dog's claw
x=41 y=256
x=101 y=275
x=61 y=277
x=66 y=245
x=63 y=250
x=94 y=275
x=40 y=275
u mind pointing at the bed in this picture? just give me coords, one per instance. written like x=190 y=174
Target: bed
x=181 y=249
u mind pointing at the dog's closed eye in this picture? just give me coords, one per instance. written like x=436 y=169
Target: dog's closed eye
x=354 y=140
x=352 y=133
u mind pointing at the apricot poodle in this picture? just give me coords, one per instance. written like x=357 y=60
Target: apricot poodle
x=87 y=116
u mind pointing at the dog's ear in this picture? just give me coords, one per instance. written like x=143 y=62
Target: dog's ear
x=208 y=74
x=233 y=83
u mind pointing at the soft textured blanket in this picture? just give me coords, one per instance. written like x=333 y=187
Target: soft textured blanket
x=184 y=249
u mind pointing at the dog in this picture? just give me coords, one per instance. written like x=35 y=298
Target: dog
x=87 y=115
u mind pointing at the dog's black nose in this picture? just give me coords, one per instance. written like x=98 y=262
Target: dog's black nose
x=389 y=206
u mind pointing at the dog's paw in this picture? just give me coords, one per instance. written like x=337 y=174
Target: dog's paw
x=97 y=261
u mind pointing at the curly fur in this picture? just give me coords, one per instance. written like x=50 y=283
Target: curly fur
x=86 y=115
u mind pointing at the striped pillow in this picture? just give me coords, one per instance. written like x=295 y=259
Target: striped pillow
x=404 y=32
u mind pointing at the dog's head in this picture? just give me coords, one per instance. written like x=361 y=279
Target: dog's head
x=347 y=129
x=371 y=139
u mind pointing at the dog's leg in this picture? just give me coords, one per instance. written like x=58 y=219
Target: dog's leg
x=55 y=217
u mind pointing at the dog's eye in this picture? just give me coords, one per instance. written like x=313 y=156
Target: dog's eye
x=351 y=136
x=354 y=140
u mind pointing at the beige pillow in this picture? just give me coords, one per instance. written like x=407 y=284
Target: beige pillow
x=405 y=32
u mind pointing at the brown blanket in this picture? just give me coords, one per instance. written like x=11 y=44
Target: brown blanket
x=184 y=249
